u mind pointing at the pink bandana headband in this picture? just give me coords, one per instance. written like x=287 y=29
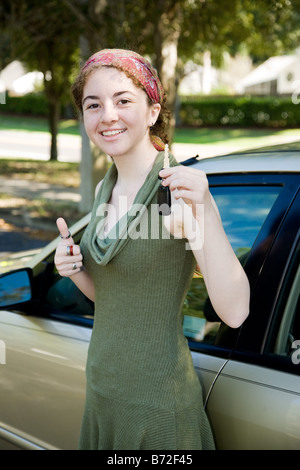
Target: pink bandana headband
x=135 y=65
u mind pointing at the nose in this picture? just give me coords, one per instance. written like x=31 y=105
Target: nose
x=109 y=113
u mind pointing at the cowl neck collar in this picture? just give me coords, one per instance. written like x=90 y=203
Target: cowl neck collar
x=104 y=248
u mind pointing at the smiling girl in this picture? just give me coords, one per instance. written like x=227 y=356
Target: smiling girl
x=142 y=390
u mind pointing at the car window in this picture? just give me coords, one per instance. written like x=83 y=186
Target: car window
x=288 y=339
x=60 y=297
x=287 y=343
x=243 y=210
x=65 y=301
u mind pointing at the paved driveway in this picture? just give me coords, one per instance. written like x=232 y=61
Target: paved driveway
x=36 y=145
x=17 y=231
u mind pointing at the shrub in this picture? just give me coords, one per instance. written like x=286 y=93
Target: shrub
x=239 y=111
x=34 y=104
x=234 y=111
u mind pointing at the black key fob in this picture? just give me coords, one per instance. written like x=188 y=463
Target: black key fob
x=164 y=200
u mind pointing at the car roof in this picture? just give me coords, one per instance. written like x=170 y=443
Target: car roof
x=279 y=158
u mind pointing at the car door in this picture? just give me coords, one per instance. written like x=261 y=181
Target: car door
x=244 y=202
x=255 y=400
x=42 y=376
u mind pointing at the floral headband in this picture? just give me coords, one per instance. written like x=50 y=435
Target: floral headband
x=135 y=65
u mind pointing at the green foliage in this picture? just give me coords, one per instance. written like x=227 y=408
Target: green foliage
x=226 y=111
x=244 y=111
x=272 y=27
x=33 y=104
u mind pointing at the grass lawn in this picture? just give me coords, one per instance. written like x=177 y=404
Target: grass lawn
x=40 y=209
x=52 y=172
x=34 y=124
x=235 y=137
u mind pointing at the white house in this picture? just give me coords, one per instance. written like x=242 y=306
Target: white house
x=276 y=76
x=198 y=81
x=205 y=79
x=198 y=78
x=15 y=80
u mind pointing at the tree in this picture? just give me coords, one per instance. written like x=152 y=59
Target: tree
x=5 y=56
x=44 y=35
x=274 y=26
x=171 y=32
x=151 y=28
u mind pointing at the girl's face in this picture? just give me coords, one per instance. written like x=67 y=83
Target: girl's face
x=116 y=113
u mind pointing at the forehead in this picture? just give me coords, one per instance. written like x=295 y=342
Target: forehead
x=109 y=79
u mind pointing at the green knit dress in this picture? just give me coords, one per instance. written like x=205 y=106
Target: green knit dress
x=142 y=390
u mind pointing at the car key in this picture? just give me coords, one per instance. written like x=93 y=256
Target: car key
x=163 y=192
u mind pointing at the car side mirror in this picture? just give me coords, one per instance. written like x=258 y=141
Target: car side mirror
x=15 y=287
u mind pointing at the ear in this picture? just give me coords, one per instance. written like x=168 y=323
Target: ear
x=154 y=113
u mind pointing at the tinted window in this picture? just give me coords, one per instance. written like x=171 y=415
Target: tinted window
x=64 y=301
x=288 y=339
x=65 y=297
x=243 y=210
x=287 y=343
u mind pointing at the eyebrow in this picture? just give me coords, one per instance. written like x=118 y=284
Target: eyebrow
x=95 y=97
x=90 y=97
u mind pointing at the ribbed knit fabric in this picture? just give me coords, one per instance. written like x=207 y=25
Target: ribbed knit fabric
x=142 y=390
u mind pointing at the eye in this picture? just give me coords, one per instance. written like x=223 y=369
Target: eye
x=124 y=101
x=93 y=106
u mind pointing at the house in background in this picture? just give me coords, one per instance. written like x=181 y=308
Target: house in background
x=206 y=79
x=16 y=81
x=276 y=76
x=199 y=79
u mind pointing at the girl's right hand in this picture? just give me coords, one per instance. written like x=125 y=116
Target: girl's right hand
x=68 y=257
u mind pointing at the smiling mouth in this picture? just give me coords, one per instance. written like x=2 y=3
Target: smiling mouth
x=111 y=133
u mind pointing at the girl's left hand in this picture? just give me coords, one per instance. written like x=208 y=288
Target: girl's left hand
x=190 y=194
x=189 y=184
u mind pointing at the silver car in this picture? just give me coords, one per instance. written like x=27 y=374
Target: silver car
x=250 y=375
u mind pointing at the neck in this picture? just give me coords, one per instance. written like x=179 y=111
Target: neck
x=133 y=169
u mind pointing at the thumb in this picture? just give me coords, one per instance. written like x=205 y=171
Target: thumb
x=64 y=231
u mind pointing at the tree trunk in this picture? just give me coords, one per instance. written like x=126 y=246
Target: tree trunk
x=54 y=115
x=166 y=43
x=168 y=74
x=86 y=173
x=206 y=75
x=93 y=167
x=87 y=161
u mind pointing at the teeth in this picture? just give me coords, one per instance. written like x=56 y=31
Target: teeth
x=108 y=133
